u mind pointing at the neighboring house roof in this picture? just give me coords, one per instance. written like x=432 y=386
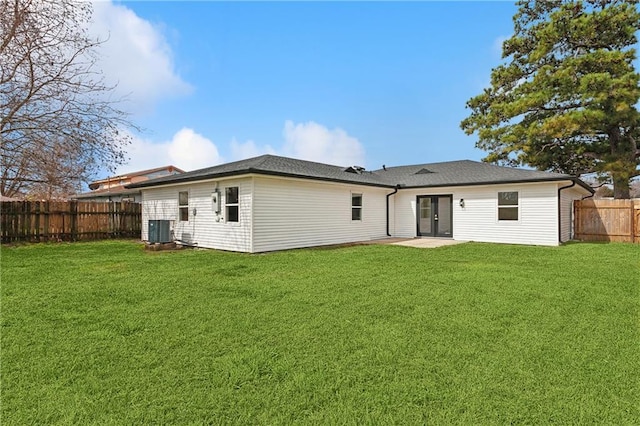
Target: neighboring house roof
x=116 y=185
x=452 y=173
x=133 y=175
x=107 y=192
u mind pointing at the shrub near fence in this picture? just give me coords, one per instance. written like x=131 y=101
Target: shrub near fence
x=607 y=220
x=69 y=220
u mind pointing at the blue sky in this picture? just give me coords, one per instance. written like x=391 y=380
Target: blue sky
x=365 y=83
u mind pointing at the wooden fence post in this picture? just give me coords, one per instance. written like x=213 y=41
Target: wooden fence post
x=47 y=231
x=112 y=219
x=576 y=219
x=632 y=221
x=26 y=221
x=73 y=207
x=38 y=221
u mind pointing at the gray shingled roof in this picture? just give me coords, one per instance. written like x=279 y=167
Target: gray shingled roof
x=452 y=173
x=465 y=172
x=273 y=165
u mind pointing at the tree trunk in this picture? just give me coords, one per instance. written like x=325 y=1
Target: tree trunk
x=621 y=188
x=622 y=166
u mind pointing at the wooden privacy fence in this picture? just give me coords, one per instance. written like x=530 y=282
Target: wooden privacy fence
x=69 y=220
x=607 y=220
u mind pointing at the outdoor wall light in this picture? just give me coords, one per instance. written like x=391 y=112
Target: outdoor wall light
x=462 y=202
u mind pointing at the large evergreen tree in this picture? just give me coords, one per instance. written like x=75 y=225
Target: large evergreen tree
x=565 y=99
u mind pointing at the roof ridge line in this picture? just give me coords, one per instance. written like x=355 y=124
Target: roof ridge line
x=263 y=159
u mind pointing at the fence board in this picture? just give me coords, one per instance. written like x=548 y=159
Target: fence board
x=636 y=222
x=69 y=221
x=607 y=220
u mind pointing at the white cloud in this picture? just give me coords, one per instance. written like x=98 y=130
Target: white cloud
x=135 y=56
x=187 y=150
x=191 y=150
x=314 y=142
x=308 y=141
x=248 y=149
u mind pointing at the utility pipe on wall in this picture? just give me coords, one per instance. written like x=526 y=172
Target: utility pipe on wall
x=573 y=183
x=389 y=195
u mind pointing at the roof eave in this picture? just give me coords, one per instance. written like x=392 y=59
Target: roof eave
x=183 y=179
x=252 y=170
x=583 y=185
x=106 y=193
x=504 y=182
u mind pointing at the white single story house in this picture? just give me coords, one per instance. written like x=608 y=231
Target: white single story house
x=273 y=203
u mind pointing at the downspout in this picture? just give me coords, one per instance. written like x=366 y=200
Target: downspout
x=587 y=196
x=389 y=195
x=573 y=183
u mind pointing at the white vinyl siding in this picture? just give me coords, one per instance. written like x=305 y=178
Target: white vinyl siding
x=567 y=197
x=292 y=213
x=277 y=213
x=478 y=219
x=205 y=228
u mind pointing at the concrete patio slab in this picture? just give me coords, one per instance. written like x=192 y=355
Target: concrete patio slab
x=427 y=242
x=417 y=242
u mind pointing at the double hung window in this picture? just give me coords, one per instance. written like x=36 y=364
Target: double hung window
x=183 y=206
x=232 y=204
x=508 y=205
x=356 y=206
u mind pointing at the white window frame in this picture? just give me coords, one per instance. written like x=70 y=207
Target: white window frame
x=227 y=204
x=509 y=206
x=182 y=207
x=355 y=207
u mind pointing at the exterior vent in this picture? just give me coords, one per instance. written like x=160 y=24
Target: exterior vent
x=423 y=171
x=159 y=231
x=354 y=169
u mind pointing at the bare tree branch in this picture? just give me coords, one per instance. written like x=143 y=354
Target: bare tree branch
x=58 y=125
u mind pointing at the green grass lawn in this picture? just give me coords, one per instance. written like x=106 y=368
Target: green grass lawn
x=107 y=333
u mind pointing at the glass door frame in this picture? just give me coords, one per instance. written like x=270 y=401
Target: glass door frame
x=434 y=199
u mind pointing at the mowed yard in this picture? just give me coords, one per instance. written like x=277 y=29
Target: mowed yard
x=107 y=333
